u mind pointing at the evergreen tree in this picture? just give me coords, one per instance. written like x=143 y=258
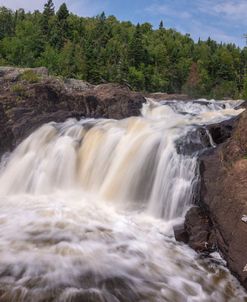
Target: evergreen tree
x=136 y=49
x=161 y=26
x=48 y=12
x=102 y=17
x=62 y=13
x=61 y=28
x=101 y=49
x=49 y=9
x=6 y=22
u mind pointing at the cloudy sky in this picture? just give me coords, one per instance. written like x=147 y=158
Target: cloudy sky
x=222 y=20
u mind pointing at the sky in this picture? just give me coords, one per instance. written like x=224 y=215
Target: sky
x=222 y=20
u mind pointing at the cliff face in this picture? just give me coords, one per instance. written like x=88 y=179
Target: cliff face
x=224 y=193
x=30 y=98
x=219 y=221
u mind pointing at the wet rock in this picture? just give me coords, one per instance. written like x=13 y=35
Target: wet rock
x=197 y=231
x=222 y=131
x=160 y=96
x=223 y=198
x=181 y=234
x=196 y=141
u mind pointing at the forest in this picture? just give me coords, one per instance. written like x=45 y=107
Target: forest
x=103 y=49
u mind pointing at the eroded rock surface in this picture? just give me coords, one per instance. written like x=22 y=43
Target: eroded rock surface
x=219 y=222
x=30 y=98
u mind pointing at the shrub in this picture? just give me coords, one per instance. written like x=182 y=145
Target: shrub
x=19 y=90
x=244 y=95
x=30 y=76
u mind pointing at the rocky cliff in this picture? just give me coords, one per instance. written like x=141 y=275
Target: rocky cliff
x=30 y=98
x=220 y=220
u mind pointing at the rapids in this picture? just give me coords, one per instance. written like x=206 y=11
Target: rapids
x=87 y=210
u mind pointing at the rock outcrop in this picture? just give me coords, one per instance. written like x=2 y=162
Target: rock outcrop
x=160 y=96
x=30 y=98
x=220 y=222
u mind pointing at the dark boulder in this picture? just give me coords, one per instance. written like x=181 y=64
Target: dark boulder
x=197 y=231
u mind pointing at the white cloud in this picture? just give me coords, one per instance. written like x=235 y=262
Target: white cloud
x=203 y=31
x=218 y=19
x=166 y=10
x=235 y=10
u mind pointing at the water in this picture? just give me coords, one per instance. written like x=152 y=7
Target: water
x=87 y=210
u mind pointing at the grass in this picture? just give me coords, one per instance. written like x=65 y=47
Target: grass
x=19 y=90
x=30 y=76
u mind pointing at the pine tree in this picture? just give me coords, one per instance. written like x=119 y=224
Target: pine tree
x=161 y=26
x=48 y=12
x=49 y=9
x=136 y=49
x=61 y=29
x=102 y=17
x=6 y=22
x=62 y=13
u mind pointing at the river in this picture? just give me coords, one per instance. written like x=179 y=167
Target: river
x=87 y=210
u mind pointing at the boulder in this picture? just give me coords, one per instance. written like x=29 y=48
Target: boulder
x=197 y=231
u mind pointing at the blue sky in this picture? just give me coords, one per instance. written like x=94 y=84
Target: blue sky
x=222 y=20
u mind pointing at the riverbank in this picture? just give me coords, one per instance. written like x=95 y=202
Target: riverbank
x=219 y=222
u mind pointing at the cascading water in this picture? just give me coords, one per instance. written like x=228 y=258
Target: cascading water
x=87 y=208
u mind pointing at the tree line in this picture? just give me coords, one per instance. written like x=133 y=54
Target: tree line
x=103 y=49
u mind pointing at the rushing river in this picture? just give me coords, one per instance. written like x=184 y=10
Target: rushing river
x=87 y=210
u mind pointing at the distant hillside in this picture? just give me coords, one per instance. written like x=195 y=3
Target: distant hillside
x=103 y=49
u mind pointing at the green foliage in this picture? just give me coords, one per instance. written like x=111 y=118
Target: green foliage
x=49 y=9
x=25 y=47
x=103 y=49
x=136 y=78
x=6 y=22
x=48 y=12
x=19 y=90
x=245 y=88
x=136 y=48
x=62 y=13
x=226 y=89
x=30 y=76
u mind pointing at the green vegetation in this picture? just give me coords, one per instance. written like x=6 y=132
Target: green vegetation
x=103 y=49
x=30 y=76
x=18 y=89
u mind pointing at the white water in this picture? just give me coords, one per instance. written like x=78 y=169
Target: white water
x=87 y=209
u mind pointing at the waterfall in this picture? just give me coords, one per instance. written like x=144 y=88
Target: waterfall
x=132 y=161
x=86 y=208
